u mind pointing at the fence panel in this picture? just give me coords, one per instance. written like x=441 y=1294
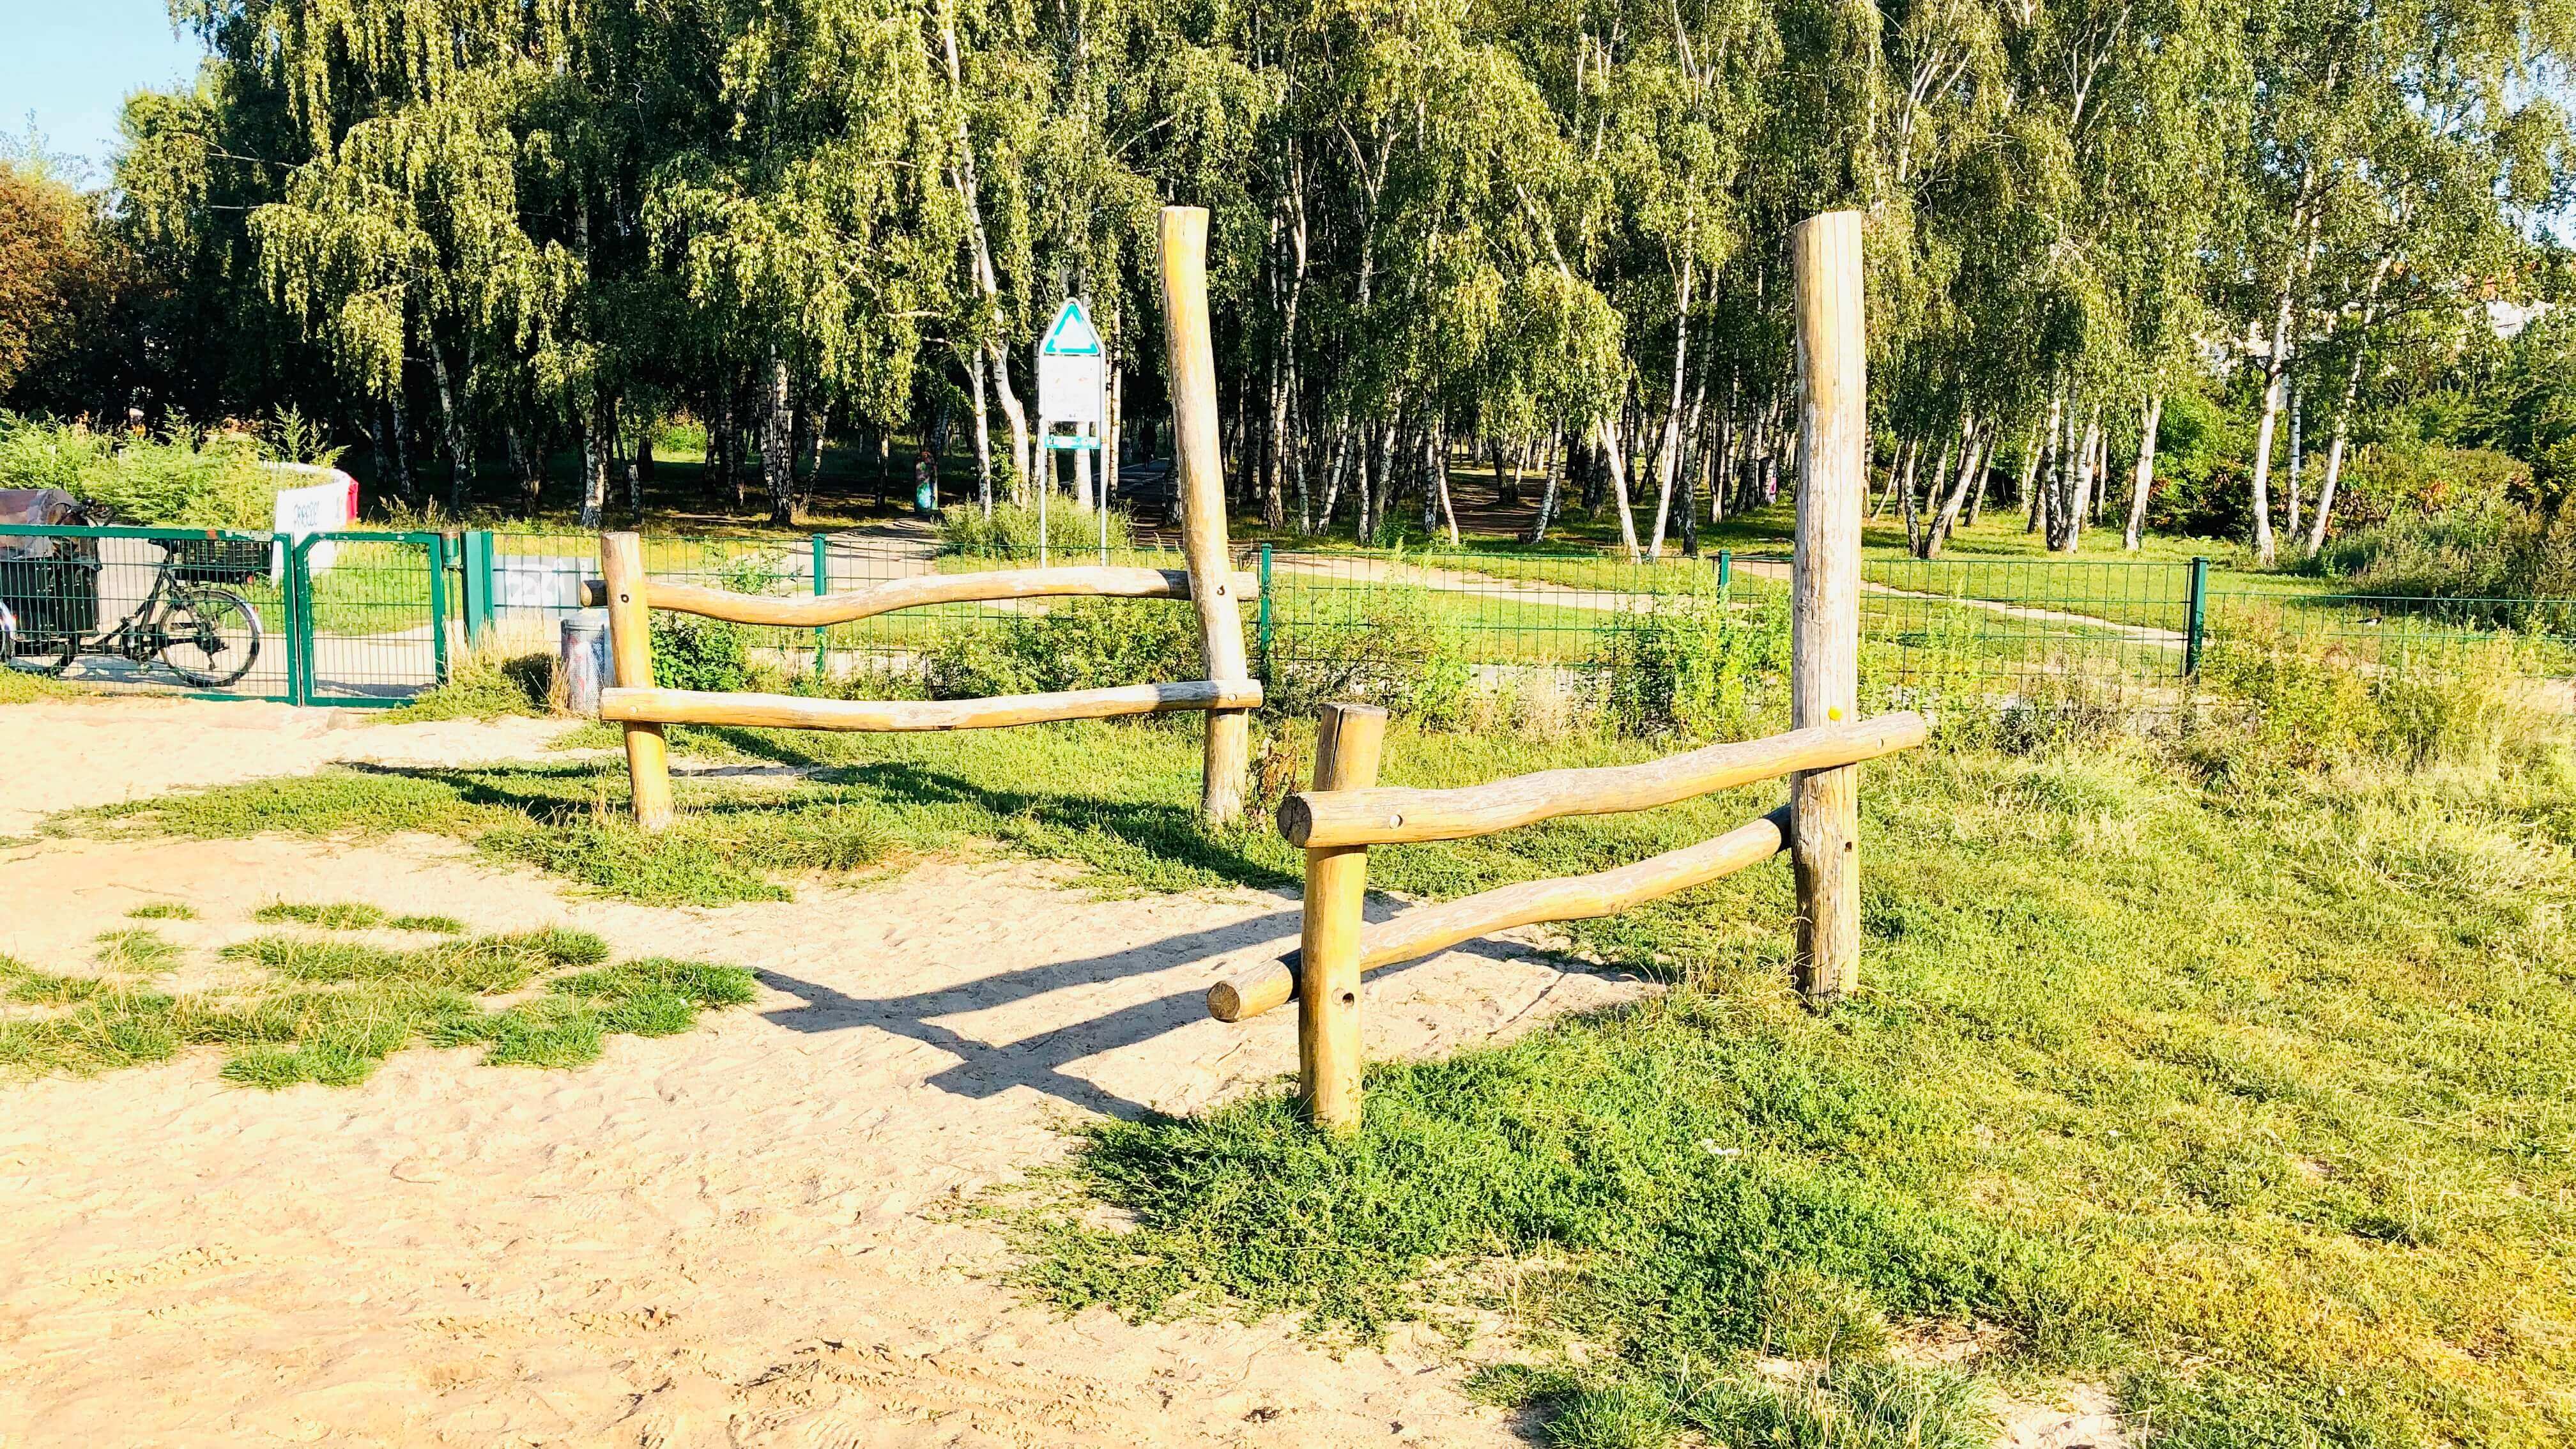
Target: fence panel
x=374 y=615
x=199 y=610
x=372 y=618
x=535 y=580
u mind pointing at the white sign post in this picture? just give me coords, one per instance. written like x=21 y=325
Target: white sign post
x=1073 y=388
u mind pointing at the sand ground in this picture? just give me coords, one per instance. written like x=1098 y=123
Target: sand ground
x=756 y=1233
x=751 y=1233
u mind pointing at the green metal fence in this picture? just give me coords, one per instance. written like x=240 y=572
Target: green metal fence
x=349 y=618
x=366 y=618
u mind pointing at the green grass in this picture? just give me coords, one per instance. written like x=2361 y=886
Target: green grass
x=2236 y=1070
x=331 y=1011
x=17 y=686
x=162 y=911
x=481 y=684
x=338 y=916
x=351 y=916
x=2243 y=1089
x=137 y=949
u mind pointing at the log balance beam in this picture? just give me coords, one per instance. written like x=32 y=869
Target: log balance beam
x=1386 y=816
x=1345 y=813
x=819 y=611
x=1211 y=584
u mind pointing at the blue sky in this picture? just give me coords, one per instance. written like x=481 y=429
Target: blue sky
x=71 y=63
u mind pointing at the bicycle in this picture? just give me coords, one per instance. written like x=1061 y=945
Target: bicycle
x=207 y=635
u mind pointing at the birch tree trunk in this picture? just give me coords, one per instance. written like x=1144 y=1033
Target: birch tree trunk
x=2143 y=480
x=1551 y=482
x=460 y=451
x=1669 y=449
x=778 y=445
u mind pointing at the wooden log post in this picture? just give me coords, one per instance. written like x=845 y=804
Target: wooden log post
x=1202 y=490
x=630 y=647
x=1328 y=968
x=1824 y=628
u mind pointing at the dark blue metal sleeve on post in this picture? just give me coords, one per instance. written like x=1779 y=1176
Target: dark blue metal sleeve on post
x=437 y=545
x=1264 y=630
x=2199 y=616
x=822 y=586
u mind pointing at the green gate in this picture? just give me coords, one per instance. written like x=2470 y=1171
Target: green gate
x=353 y=618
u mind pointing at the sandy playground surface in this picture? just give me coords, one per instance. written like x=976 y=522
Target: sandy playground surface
x=746 y=1234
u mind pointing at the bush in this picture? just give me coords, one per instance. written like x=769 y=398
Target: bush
x=1383 y=646
x=182 y=477
x=2305 y=704
x=1012 y=531
x=694 y=653
x=484 y=684
x=2392 y=479
x=1691 y=663
x=1083 y=643
x=2511 y=566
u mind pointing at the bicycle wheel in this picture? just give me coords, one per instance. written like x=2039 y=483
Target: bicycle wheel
x=209 y=637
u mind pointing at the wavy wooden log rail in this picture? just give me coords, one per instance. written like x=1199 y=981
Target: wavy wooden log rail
x=1396 y=816
x=1424 y=930
x=796 y=712
x=815 y=611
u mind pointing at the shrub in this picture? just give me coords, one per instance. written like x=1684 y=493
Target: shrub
x=182 y=477
x=1383 y=646
x=1083 y=643
x=2512 y=567
x=1012 y=531
x=2393 y=479
x=1691 y=663
x=694 y=653
x=2305 y=703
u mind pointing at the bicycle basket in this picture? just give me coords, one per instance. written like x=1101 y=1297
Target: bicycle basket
x=217 y=560
x=51 y=597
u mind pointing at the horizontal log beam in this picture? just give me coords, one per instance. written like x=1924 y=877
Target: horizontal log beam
x=814 y=611
x=795 y=712
x=1424 y=930
x=1395 y=816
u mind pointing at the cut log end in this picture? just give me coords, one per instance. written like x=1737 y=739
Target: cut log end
x=1296 y=820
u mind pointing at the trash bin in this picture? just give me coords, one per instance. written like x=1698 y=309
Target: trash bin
x=585 y=660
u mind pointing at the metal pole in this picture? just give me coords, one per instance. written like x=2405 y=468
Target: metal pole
x=2199 y=616
x=822 y=586
x=1263 y=627
x=438 y=605
x=1725 y=569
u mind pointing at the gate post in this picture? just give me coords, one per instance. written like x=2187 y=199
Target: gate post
x=1347 y=746
x=477 y=545
x=1824 y=628
x=2199 y=617
x=437 y=605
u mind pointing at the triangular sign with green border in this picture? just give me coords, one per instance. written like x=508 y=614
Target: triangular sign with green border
x=1071 y=334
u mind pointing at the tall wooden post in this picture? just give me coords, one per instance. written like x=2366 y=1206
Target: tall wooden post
x=630 y=647
x=1202 y=486
x=1824 y=630
x=1328 y=958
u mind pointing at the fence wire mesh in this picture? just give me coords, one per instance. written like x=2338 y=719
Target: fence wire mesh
x=375 y=617
x=342 y=618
